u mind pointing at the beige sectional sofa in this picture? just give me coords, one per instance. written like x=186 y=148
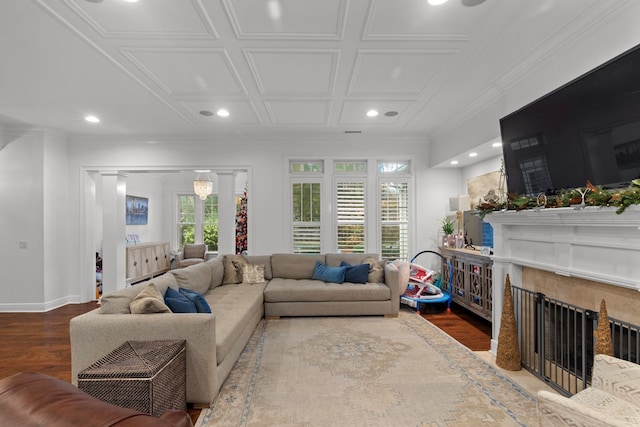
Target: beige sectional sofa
x=214 y=341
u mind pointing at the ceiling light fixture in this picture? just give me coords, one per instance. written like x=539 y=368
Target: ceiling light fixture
x=222 y=113
x=206 y=113
x=202 y=186
x=131 y=1
x=372 y=113
x=92 y=119
x=496 y=144
x=473 y=154
x=436 y=2
x=391 y=113
x=454 y=162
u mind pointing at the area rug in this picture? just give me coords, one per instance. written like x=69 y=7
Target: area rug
x=364 y=371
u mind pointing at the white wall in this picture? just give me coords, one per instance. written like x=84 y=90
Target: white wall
x=57 y=263
x=21 y=220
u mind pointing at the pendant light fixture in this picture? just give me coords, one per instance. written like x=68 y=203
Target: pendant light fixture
x=202 y=186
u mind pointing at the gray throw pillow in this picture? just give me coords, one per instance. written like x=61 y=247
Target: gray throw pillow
x=376 y=271
x=233 y=269
x=117 y=302
x=148 y=301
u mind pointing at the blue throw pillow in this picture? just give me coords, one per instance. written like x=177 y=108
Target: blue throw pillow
x=329 y=274
x=201 y=304
x=356 y=273
x=178 y=303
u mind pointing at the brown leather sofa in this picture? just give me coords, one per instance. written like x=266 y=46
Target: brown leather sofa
x=34 y=399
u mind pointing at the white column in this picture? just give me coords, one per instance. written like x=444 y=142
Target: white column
x=113 y=231
x=226 y=212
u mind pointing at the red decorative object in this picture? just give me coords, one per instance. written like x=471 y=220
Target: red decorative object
x=241 y=225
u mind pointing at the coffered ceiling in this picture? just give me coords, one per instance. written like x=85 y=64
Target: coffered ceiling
x=160 y=69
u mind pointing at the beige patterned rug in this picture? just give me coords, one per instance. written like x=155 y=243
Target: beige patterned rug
x=364 y=371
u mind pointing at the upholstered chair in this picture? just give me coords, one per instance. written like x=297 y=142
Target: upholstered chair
x=191 y=254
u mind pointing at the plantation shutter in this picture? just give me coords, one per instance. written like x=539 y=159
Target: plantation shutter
x=306 y=208
x=350 y=216
x=394 y=219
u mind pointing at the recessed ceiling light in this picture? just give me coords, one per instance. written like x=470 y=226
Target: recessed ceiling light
x=222 y=113
x=206 y=113
x=131 y=1
x=202 y=170
x=473 y=154
x=275 y=10
x=496 y=144
x=372 y=113
x=92 y=119
x=436 y=2
x=454 y=162
x=391 y=113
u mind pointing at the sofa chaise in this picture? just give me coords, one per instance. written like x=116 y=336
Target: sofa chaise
x=612 y=400
x=286 y=287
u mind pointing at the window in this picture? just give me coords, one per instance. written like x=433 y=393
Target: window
x=186 y=219
x=210 y=236
x=306 y=214
x=350 y=167
x=356 y=206
x=299 y=166
x=394 y=219
x=198 y=220
x=350 y=216
x=393 y=167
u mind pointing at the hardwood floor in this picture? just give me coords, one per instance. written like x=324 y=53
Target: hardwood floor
x=40 y=341
x=469 y=329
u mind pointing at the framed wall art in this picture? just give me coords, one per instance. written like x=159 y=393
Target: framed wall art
x=137 y=210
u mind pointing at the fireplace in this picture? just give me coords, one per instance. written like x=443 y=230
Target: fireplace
x=577 y=256
x=557 y=339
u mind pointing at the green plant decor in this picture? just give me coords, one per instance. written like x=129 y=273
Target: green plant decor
x=595 y=196
x=447 y=226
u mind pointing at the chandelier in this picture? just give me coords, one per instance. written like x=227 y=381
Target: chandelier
x=202 y=187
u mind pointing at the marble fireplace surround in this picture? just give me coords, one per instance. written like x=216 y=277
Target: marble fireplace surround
x=577 y=255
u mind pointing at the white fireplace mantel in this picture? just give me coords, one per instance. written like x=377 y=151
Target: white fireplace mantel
x=592 y=243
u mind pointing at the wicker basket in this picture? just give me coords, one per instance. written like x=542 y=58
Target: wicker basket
x=148 y=376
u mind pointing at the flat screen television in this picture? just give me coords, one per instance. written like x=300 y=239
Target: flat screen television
x=588 y=129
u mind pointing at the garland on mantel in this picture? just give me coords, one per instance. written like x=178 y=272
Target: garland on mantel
x=593 y=196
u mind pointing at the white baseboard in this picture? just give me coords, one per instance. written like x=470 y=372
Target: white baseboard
x=39 y=307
